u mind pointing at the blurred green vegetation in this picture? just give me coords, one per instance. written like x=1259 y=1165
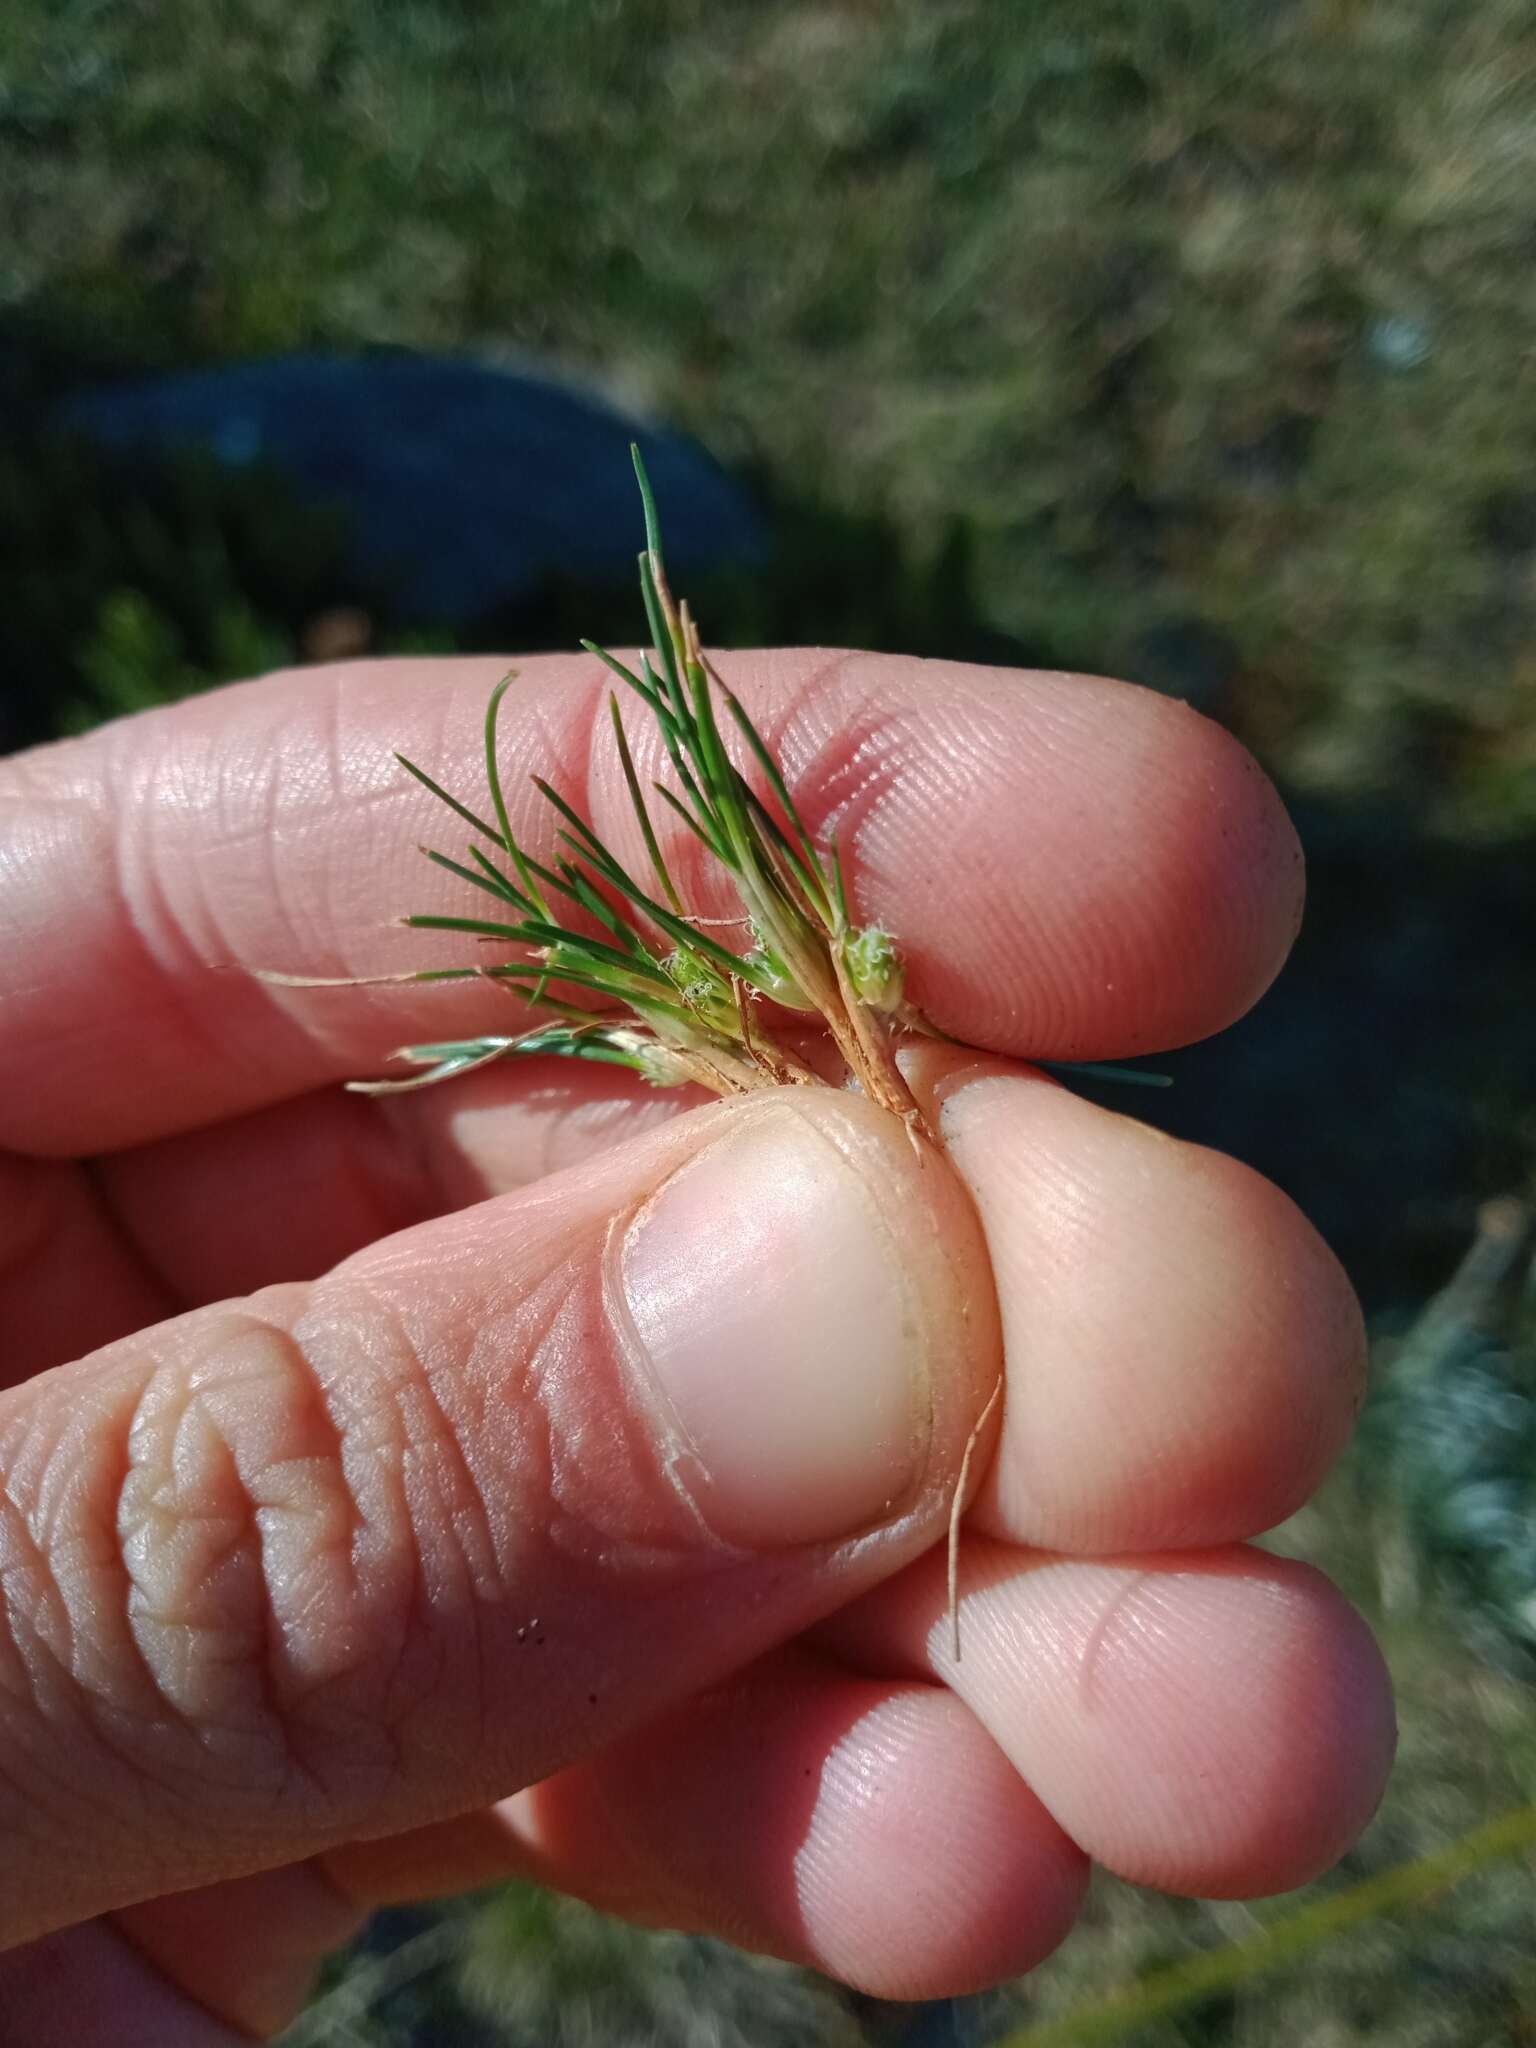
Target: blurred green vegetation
x=1188 y=340
x=1200 y=313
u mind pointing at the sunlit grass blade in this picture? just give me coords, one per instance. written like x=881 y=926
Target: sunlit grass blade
x=586 y=1041
x=652 y=846
x=480 y=928
x=638 y=993
x=661 y=613
x=492 y=766
x=490 y=869
x=461 y=810
x=594 y=905
x=779 y=845
x=704 y=810
x=493 y=778
x=686 y=934
x=488 y=1045
x=510 y=978
x=689 y=820
x=493 y=883
x=717 y=770
x=537 y=933
x=839 y=885
x=626 y=675
x=647 y=505
x=587 y=840
x=660 y=638
x=676 y=725
x=770 y=768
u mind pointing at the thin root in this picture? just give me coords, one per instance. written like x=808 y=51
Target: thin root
x=957 y=1509
x=274 y=979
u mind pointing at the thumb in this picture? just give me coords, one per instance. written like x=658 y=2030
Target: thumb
x=347 y=1557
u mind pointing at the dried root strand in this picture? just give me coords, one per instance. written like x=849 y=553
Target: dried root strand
x=957 y=1510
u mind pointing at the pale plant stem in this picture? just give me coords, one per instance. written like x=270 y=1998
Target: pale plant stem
x=956 y=1513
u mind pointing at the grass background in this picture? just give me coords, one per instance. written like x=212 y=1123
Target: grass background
x=1188 y=340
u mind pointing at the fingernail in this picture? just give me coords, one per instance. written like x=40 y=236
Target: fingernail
x=766 y=1290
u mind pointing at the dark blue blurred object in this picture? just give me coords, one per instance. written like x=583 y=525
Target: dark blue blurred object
x=464 y=486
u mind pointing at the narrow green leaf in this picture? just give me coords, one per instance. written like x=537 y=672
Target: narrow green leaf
x=430 y=922
x=648 y=503
x=437 y=789
x=652 y=846
x=701 y=804
x=626 y=675
x=839 y=885
x=492 y=767
x=661 y=639
x=601 y=1050
x=682 y=931
x=689 y=820
x=489 y=867
x=813 y=889
x=770 y=768
x=587 y=842
x=458 y=1048
x=493 y=777
x=584 y=893
x=512 y=976
x=578 y=1042
x=677 y=730
x=628 y=988
x=494 y=884
x=672 y=711
x=540 y=934
x=718 y=772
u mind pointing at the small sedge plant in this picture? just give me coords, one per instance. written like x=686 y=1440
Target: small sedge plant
x=662 y=995
x=618 y=969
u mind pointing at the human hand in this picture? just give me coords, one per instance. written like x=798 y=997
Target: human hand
x=608 y=1454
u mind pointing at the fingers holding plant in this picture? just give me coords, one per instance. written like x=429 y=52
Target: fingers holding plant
x=1073 y=869
x=452 y=1517
x=343 y=1557
x=1186 y=1357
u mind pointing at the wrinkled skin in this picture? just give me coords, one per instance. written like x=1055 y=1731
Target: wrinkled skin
x=547 y=1476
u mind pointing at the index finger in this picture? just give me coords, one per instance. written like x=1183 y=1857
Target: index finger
x=1073 y=868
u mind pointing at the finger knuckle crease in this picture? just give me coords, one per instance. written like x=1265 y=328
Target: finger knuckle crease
x=260 y=1580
